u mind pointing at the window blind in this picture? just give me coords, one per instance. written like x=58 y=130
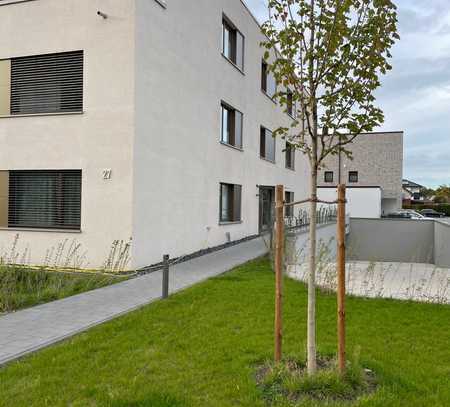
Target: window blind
x=51 y=83
x=48 y=199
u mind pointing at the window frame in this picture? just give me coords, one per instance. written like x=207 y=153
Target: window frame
x=290 y=151
x=228 y=25
x=233 y=119
x=290 y=104
x=60 y=200
x=266 y=78
x=351 y=175
x=39 y=100
x=289 y=210
x=231 y=204
x=261 y=144
x=325 y=179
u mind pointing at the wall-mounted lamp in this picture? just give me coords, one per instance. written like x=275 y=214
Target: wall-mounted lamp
x=103 y=15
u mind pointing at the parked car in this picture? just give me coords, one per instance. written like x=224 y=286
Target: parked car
x=407 y=214
x=431 y=213
x=399 y=215
x=415 y=214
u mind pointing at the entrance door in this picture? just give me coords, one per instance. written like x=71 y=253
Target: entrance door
x=266 y=208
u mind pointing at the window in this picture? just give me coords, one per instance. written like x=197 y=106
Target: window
x=42 y=84
x=353 y=176
x=230 y=203
x=232 y=44
x=290 y=103
x=290 y=156
x=47 y=199
x=267 y=145
x=231 y=126
x=289 y=198
x=329 y=175
x=268 y=84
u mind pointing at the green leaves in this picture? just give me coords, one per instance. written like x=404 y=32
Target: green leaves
x=331 y=54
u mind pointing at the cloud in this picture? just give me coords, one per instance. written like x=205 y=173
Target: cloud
x=415 y=95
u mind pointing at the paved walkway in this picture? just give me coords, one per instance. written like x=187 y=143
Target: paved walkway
x=31 y=329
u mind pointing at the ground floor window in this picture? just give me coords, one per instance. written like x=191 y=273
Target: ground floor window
x=230 y=202
x=47 y=199
x=289 y=198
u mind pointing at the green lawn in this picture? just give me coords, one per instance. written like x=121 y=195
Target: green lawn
x=200 y=348
x=21 y=288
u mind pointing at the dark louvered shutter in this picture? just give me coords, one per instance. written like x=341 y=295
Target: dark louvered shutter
x=48 y=199
x=50 y=83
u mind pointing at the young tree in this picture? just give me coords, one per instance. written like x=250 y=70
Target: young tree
x=329 y=57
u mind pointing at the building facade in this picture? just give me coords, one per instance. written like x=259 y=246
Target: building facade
x=373 y=175
x=135 y=128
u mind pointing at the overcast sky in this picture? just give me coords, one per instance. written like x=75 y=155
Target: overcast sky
x=415 y=95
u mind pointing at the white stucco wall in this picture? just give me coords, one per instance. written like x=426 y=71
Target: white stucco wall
x=181 y=79
x=101 y=137
x=154 y=79
x=361 y=202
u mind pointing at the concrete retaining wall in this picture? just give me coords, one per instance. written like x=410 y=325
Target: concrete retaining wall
x=442 y=244
x=399 y=240
x=297 y=244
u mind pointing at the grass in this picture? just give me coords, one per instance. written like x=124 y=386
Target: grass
x=202 y=347
x=21 y=288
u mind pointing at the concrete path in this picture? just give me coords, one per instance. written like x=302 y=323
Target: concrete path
x=28 y=330
x=404 y=281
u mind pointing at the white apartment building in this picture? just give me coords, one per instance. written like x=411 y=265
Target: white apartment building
x=146 y=120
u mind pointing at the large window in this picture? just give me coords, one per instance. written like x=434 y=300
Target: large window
x=290 y=156
x=47 y=199
x=230 y=203
x=268 y=83
x=231 y=126
x=353 y=176
x=289 y=198
x=41 y=84
x=232 y=44
x=267 y=145
x=328 y=176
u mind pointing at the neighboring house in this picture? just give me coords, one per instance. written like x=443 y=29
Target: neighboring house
x=133 y=119
x=373 y=176
x=412 y=191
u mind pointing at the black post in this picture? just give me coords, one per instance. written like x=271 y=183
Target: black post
x=165 y=277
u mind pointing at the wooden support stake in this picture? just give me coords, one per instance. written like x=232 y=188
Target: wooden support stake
x=341 y=278
x=165 y=277
x=279 y=248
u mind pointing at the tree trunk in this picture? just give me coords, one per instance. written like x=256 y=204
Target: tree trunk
x=311 y=340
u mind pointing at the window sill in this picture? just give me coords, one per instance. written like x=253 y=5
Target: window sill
x=16 y=229
x=231 y=146
x=41 y=114
x=291 y=116
x=237 y=222
x=162 y=3
x=268 y=96
x=267 y=160
x=290 y=168
x=9 y=2
x=233 y=64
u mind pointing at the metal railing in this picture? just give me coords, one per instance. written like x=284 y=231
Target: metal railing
x=324 y=215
